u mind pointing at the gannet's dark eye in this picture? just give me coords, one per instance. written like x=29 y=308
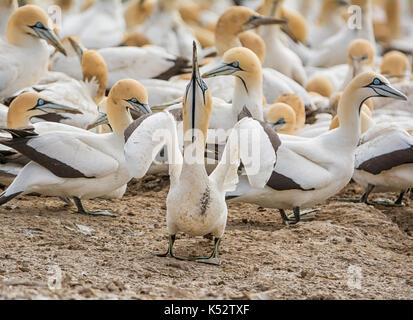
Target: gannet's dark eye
x=365 y=57
x=40 y=102
x=235 y=64
x=281 y=121
x=39 y=25
x=377 y=82
x=134 y=100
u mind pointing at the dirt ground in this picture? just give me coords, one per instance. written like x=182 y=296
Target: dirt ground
x=348 y=251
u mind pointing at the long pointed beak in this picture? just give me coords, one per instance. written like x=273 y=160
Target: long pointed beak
x=162 y=107
x=222 y=70
x=194 y=91
x=386 y=90
x=50 y=36
x=257 y=21
x=140 y=107
x=51 y=107
x=102 y=119
x=79 y=49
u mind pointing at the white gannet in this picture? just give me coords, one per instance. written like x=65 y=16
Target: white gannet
x=329 y=22
x=77 y=163
x=384 y=162
x=24 y=57
x=309 y=171
x=278 y=55
x=172 y=34
x=101 y=26
x=196 y=202
x=333 y=51
x=7 y=7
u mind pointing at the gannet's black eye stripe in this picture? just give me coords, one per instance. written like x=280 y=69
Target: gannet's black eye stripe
x=281 y=121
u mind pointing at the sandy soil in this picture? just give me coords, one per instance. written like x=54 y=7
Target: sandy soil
x=348 y=252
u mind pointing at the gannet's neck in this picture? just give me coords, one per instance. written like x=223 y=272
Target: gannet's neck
x=225 y=41
x=118 y=116
x=349 y=117
x=248 y=93
x=17 y=119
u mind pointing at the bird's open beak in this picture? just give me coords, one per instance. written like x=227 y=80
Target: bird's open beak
x=224 y=69
x=48 y=35
x=258 y=20
x=51 y=107
x=79 y=49
x=101 y=120
x=386 y=90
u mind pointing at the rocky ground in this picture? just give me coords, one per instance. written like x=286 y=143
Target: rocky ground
x=349 y=251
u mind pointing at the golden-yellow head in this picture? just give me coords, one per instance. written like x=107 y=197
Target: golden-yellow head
x=360 y=52
x=395 y=64
x=31 y=104
x=31 y=21
x=282 y=118
x=320 y=85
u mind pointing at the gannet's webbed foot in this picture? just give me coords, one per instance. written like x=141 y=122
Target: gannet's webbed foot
x=306 y=215
x=364 y=197
x=213 y=259
x=172 y=239
x=389 y=203
x=97 y=213
x=289 y=221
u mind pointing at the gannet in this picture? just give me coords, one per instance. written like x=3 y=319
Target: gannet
x=245 y=67
x=7 y=7
x=282 y=118
x=384 y=162
x=101 y=26
x=324 y=56
x=172 y=34
x=329 y=22
x=309 y=171
x=279 y=56
x=360 y=58
x=77 y=163
x=196 y=202
x=24 y=58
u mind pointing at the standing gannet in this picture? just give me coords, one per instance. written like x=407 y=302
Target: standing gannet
x=196 y=202
x=384 y=162
x=101 y=26
x=279 y=56
x=309 y=171
x=77 y=163
x=24 y=58
x=7 y=7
